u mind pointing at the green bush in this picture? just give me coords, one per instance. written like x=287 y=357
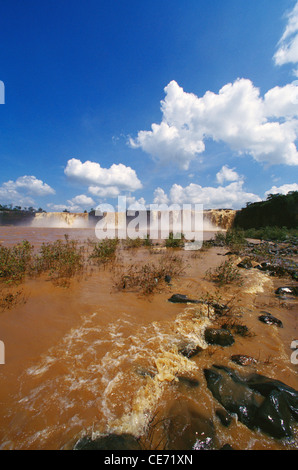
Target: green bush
x=104 y=251
x=61 y=259
x=271 y=233
x=175 y=241
x=15 y=262
x=224 y=274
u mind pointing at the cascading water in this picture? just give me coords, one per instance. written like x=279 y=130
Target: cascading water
x=60 y=220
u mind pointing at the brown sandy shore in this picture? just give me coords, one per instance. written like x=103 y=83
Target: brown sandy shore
x=95 y=359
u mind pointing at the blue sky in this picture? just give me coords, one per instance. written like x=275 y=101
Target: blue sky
x=165 y=102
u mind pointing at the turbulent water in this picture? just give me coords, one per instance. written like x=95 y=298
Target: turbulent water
x=93 y=360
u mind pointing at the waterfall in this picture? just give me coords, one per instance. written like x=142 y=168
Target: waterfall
x=60 y=220
x=213 y=219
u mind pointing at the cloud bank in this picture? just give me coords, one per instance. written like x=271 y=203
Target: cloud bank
x=265 y=128
x=23 y=190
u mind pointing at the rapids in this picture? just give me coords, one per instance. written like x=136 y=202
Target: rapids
x=89 y=359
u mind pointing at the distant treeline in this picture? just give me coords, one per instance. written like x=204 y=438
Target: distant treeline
x=10 y=207
x=277 y=211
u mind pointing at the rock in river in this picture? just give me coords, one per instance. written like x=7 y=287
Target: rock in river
x=182 y=299
x=259 y=402
x=271 y=320
x=109 y=442
x=220 y=337
x=290 y=290
x=189 y=350
x=243 y=360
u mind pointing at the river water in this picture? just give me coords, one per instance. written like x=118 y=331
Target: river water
x=90 y=359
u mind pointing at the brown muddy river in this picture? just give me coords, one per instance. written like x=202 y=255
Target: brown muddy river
x=90 y=359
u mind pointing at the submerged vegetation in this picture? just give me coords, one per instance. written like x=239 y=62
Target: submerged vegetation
x=15 y=262
x=103 y=251
x=225 y=273
x=147 y=278
x=62 y=260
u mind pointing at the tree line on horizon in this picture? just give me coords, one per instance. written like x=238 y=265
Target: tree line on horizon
x=277 y=210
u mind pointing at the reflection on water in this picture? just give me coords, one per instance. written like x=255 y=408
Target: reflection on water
x=89 y=359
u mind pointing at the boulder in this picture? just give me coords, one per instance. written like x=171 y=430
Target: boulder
x=259 y=402
x=290 y=290
x=219 y=309
x=271 y=320
x=182 y=299
x=189 y=350
x=265 y=386
x=233 y=395
x=274 y=416
x=220 y=337
x=243 y=360
x=109 y=442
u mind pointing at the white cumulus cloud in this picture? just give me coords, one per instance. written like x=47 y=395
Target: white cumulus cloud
x=103 y=182
x=160 y=197
x=284 y=189
x=232 y=196
x=237 y=115
x=82 y=200
x=23 y=190
x=227 y=174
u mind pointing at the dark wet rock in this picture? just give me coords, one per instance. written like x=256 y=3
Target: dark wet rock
x=182 y=299
x=243 y=360
x=220 y=337
x=259 y=402
x=233 y=395
x=224 y=417
x=188 y=381
x=236 y=328
x=265 y=386
x=274 y=269
x=290 y=290
x=187 y=429
x=271 y=320
x=226 y=447
x=168 y=279
x=274 y=416
x=189 y=350
x=245 y=264
x=219 y=309
x=109 y=442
